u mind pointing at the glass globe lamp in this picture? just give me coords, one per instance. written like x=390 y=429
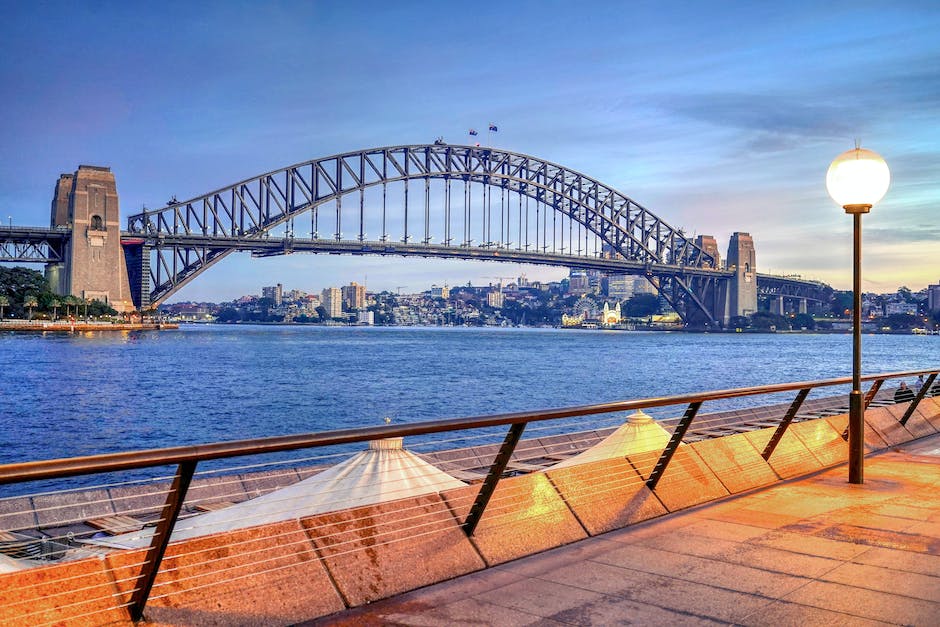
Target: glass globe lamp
x=857 y=179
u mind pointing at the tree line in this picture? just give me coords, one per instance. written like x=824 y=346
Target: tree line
x=24 y=294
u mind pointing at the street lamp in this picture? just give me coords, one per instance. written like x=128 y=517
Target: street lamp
x=857 y=179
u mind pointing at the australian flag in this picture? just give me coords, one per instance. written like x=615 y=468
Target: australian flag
x=493 y=128
x=473 y=131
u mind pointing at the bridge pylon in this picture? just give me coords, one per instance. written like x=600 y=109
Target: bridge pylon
x=742 y=288
x=93 y=265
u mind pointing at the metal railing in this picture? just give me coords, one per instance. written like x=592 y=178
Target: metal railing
x=187 y=458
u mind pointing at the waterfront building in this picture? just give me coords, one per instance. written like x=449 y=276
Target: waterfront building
x=610 y=317
x=354 y=296
x=900 y=307
x=332 y=300
x=571 y=321
x=275 y=293
x=366 y=317
x=440 y=292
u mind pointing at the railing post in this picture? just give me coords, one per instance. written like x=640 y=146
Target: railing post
x=872 y=391
x=673 y=444
x=492 y=478
x=782 y=427
x=921 y=393
x=869 y=397
x=161 y=538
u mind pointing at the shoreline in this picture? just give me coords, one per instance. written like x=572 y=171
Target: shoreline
x=637 y=329
x=84 y=327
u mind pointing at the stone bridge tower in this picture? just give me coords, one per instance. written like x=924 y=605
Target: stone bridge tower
x=742 y=288
x=94 y=266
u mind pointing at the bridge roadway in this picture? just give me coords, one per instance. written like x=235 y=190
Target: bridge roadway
x=810 y=551
x=273 y=246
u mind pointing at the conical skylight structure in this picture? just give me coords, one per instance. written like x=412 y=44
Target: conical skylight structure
x=639 y=434
x=383 y=472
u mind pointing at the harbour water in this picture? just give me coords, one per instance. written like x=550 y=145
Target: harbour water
x=68 y=395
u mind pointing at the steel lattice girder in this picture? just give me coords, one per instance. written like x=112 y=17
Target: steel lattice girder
x=250 y=208
x=32 y=245
x=789 y=287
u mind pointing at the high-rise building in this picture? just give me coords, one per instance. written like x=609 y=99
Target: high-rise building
x=354 y=296
x=274 y=292
x=332 y=300
x=495 y=299
x=933 y=297
x=440 y=292
x=620 y=286
x=578 y=282
x=643 y=286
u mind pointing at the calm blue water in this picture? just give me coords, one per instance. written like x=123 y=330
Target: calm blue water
x=63 y=395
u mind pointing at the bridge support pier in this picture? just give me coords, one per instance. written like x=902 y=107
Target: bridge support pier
x=94 y=266
x=803 y=306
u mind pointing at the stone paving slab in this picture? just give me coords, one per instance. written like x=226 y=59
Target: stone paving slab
x=809 y=551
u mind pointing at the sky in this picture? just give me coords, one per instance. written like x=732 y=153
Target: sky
x=715 y=116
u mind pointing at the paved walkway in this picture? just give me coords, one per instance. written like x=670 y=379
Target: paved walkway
x=811 y=551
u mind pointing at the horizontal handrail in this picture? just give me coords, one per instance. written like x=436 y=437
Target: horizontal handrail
x=131 y=460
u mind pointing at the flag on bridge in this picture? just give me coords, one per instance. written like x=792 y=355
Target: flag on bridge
x=473 y=131
x=493 y=128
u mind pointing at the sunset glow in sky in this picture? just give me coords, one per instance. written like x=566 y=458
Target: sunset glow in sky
x=715 y=116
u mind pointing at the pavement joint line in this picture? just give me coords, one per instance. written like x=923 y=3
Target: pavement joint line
x=611 y=595
x=691 y=581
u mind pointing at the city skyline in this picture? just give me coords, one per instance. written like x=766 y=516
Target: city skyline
x=716 y=118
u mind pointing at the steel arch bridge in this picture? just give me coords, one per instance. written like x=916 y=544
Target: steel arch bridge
x=433 y=200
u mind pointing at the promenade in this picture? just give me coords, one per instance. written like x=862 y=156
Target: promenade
x=809 y=551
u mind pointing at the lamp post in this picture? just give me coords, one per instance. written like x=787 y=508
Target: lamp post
x=857 y=179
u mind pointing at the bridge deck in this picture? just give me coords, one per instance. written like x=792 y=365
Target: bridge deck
x=810 y=551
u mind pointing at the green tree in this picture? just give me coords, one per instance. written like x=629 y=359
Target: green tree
x=323 y=313
x=804 y=321
x=642 y=305
x=901 y=321
x=739 y=322
x=70 y=301
x=228 y=315
x=100 y=308
x=842 y=304
x=54 y=303
x=29 y=302
x=17 y=283
x=766 y=320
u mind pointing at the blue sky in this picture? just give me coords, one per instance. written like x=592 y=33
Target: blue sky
x=716 y=116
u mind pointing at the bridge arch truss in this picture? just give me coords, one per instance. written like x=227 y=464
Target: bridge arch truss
x=431 y=200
